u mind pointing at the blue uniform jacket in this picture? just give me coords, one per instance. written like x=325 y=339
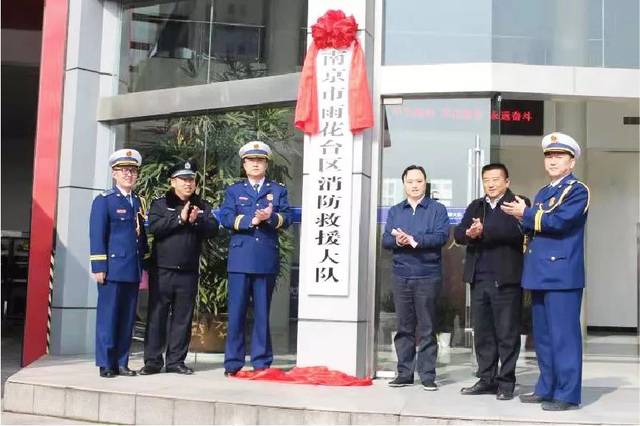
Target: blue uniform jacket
x=429 y=226
x=554 y=258
x=117 y=237
x=254 y=249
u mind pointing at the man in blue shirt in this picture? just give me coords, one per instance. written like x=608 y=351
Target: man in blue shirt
x=415 y=231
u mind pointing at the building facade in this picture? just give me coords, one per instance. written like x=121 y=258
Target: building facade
x=455 y=85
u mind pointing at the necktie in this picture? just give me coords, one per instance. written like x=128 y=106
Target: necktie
x=256 y=187
x=128 y=196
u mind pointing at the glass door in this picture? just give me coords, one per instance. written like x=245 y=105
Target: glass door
x=451 y=138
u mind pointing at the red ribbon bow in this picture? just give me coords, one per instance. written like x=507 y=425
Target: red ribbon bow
x=334 y=30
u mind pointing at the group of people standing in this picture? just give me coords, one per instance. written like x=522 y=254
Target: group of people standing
x=511 y=245
x=254 y=210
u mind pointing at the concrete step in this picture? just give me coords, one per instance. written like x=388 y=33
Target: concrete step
x=70 y=387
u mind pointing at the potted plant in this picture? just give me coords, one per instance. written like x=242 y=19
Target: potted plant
x=525 y=325
x=214 y=140
x=445 y=316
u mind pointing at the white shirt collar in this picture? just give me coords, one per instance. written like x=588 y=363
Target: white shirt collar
x=253 y=182
x=493 y=203
x=417 y=202
x=557 y=181
x=125 y=193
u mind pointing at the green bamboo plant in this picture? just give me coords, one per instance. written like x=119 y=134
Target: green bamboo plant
x=214 y=140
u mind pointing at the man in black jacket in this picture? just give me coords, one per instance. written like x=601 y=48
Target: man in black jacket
x=493 y=266
x=179 y=222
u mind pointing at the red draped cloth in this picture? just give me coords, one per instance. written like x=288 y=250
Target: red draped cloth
x=305 y=375
x=334 y=30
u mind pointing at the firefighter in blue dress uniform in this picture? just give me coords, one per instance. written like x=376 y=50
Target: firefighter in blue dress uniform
x=554 y=272
x=118 y=249
x=254 y=209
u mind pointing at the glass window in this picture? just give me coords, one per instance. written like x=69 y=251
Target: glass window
x=596 y=33
x=621 y=25
x=213 y=140
x=188 y=42
x=547 y=32
x=434 y=32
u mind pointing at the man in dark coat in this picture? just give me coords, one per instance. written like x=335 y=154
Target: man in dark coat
x=493 y=267
x=179 y=222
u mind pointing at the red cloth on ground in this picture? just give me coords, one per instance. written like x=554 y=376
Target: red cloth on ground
x=305 y=375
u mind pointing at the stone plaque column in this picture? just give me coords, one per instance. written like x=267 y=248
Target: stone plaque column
x=333 y=312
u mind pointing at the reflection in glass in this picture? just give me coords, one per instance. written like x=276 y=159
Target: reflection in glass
x=440 y=135
x=213 y=141
x=187 y=42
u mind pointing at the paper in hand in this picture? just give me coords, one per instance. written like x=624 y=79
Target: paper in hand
x=412 y=242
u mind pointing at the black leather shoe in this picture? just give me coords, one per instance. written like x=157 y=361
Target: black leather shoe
x=180 y=369
x=125 y=371
x=556 y=405
x=230 y=373
x=107 y=372
x=480 y=388
x=148 y=369
x=532 y=398
x=401 y=381
x=504 y=395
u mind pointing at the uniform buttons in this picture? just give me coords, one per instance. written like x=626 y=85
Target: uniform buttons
x=257 y=239
x=113 y=255
x=553 y=258
x=257 y=205
x=530 y=251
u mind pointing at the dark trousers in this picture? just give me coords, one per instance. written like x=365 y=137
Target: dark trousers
x=496 y=312
x=558 y=340
x=242 y=288
x=415 y=302
x=115 y=315
x=171 y=298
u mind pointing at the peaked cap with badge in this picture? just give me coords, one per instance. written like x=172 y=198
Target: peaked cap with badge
x=184 y=168
x=559 y=142
x=255 y=149
x=125 y=157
